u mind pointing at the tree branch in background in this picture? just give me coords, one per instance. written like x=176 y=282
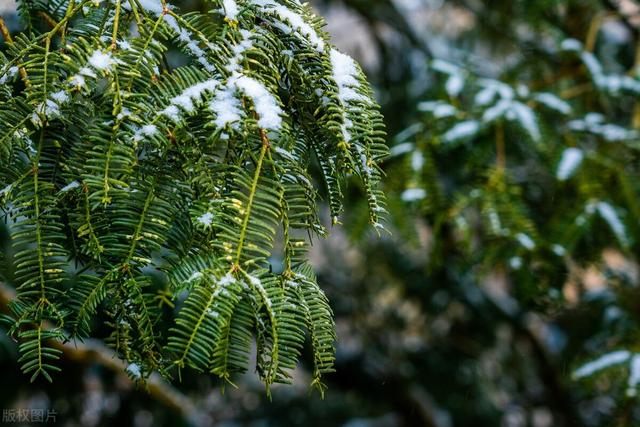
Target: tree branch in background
x=93 y=351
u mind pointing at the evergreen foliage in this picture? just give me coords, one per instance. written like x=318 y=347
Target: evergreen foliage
x=132 y=185
x=525 y=173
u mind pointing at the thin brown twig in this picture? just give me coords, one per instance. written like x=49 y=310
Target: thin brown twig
x=48 y=19
x=575 y=91
x=6 y=34
x=4 y=30
x=594 y=29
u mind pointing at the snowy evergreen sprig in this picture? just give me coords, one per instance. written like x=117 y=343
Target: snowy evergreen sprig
x=133 y=186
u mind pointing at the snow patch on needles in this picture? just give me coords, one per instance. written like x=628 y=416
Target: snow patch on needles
x=612 y=359
x=124 y=45
x=569 y=163
x=7 y=74
x=146 y=130
x=60 y=96
x=491 y=88
x=364 y=160
x=226 y=107
x=439 y=109
x=571 y=45
x=454 y=85
x=286 y=154
x=155 y=8
x=239 y=49
x=457 y=76
x=6 y=190
x=149 y=130
x=345 y=74
x=634 y=375
x=514 y=110
x=255 y=281
x=227 y=280
x=225 y=104
x=612 y=83
x=264 y=103
x=552 y=102
x=77 y=80
x=194 y=93
x=50 y=109
x=70 y=186
x=134 y=370
x=230 y=9
x=368 y=172
x=609 y=214
x=257 y=285
x=187 y=98
x=195 y=276
x=101 y=60
x=462 y=130
x=206 y=219
x=606 y=361
x=594 y=123
x=526 y=241
x=290 y=21
x=527 y=120
x=413 y=194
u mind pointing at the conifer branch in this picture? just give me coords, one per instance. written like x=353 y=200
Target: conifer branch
x=92 y=351
x=127 y=180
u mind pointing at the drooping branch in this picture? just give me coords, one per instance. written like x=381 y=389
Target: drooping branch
x=132 y=205
x=93 y=351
